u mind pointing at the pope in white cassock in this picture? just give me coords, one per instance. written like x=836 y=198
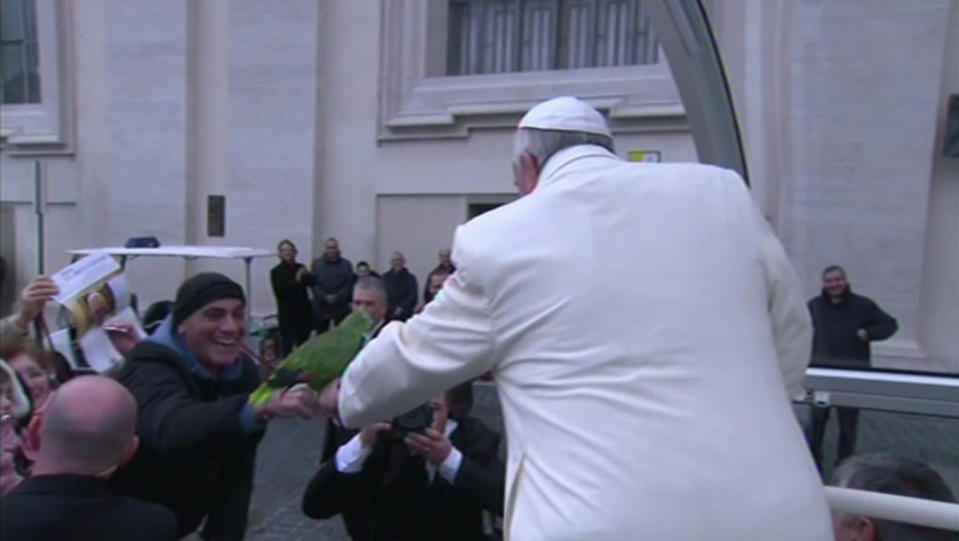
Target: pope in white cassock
x=645 y=331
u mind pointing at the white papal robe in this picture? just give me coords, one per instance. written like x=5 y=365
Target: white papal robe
x=646 y=332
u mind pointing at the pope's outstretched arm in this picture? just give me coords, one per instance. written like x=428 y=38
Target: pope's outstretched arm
x=791 y=324
x=451 y=341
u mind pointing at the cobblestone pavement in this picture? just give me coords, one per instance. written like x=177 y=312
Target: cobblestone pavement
x=287 y=459
x=289 y=453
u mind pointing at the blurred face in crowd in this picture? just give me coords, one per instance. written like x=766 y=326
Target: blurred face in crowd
x=372 y=302
x=36 y=378
x=834 y=282
x=397 y=261
x=444 y=256
x=436 y=283
x=332 y=250
x=440 y=413
x=287 y=253
x=214 y=333
x=362 y=270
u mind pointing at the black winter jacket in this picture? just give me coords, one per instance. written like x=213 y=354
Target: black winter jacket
x=292 y=301
x=401 y=292
x=332 y=278
x=834 y=329
x=195 y=457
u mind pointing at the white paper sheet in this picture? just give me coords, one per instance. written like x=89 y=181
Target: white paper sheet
x=83 y=274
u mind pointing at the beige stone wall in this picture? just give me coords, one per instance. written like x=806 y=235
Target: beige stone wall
x=279 y=106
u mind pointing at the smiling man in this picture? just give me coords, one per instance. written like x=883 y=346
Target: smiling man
x=198 y=431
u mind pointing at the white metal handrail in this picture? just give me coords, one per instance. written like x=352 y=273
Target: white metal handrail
x=918 y=511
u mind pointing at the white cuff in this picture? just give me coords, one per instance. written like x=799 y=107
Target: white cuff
x=451 y=466
x=351 y=456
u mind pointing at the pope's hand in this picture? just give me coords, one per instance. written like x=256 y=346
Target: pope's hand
x=329 y=399
x=862 y=335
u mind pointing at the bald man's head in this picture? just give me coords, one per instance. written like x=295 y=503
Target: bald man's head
x=88 y=428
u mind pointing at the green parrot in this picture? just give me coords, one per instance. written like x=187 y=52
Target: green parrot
x=319 y=360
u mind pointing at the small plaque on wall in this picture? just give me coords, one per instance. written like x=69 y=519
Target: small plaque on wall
x=652 y=156
x=216 y=215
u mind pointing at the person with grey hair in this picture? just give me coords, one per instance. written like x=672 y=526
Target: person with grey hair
x=889 y=474
x=87 y=431
x=333 y=275
x=621 y=401
x=370 y=297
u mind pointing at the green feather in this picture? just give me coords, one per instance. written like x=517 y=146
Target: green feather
x=319 y=360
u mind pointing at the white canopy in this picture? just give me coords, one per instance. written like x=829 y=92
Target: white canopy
x=187 y=252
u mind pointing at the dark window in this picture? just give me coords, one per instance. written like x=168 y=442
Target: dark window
x=501 y=36
x=19 y=53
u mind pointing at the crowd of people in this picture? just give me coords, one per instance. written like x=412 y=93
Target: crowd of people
x=173 y=435
x=311 y=299
x=607 y=426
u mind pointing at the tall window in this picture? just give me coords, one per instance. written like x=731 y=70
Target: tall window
x=500 y=36
x=19 y=54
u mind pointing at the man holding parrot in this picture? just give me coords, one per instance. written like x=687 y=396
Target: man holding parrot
x=199 y=425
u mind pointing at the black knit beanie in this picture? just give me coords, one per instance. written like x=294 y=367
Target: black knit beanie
x=201 y=290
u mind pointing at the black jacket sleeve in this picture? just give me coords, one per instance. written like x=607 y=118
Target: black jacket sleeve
x=328 y=491
x=172 y=423
x=408 y=299
x=228 y=514
x=281 y=286
x=309 y=279
x=285 y=283
x=879 y=324
x=345 y=293
x=426 y=286
x=316 y=270
x=481 y=478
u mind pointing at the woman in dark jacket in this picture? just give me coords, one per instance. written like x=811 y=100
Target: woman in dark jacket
x=290 y=280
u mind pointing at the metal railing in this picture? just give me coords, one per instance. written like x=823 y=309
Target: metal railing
x=928 y=513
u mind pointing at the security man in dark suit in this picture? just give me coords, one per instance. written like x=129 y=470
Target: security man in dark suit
x=394 y=482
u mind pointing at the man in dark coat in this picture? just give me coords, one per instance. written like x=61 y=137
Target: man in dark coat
x=844 y=324
x=426 y=486
x=401 y=289
x=198 y=430
x=334 y=281
x=444 y=268
x=290 y=280
x=86 y=432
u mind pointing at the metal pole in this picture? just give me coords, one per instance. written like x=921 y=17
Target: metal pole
x=249 y=293
x=922 y=512
x=39 y=199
